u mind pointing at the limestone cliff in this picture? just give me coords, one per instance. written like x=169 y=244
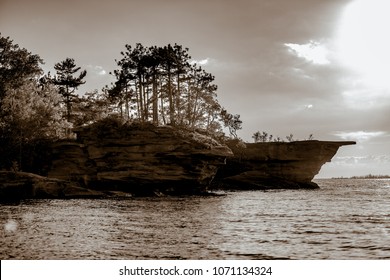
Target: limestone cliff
x=277 y=164
x=140 y=159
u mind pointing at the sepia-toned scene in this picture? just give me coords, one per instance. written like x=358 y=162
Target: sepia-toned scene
x=193 y=130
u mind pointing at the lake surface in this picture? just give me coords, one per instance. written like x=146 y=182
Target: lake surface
x=345 y=219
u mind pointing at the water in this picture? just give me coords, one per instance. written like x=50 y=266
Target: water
x=345 y=219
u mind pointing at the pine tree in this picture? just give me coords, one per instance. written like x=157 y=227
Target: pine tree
x=163 y=86
x=67 y=82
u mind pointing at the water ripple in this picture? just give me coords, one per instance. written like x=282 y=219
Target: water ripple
x=345 y=219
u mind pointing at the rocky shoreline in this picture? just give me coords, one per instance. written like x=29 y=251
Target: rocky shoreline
x=117 y=160
x=22 y=185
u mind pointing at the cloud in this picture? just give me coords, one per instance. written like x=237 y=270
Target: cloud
x=309 y=106
x=201 y=62
x=361 y=40
x=313 y=52
x=362 y=97
x=97 y=70
x=359 y=136
x=370 y=159
x=100 y=71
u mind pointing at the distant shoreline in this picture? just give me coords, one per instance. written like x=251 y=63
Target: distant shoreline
x=370 y=176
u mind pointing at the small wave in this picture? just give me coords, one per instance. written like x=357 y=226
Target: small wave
x=256 y=256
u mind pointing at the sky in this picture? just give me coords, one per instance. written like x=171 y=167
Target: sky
x=296 y=67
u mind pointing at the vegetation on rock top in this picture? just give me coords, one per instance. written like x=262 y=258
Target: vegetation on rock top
x=158 y=85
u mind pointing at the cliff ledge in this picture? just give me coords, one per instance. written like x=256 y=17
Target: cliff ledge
x=276 y=164
x=139 y=159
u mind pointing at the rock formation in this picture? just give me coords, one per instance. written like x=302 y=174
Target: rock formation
x=21 y=185
x=276 y=164
x=110 y=159
x=139 y=159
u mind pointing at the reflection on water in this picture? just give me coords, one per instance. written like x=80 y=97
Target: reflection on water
x=345 y=219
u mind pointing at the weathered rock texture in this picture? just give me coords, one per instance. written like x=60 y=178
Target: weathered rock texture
x=109 y=159
x=139 y=159
x=277 y=164
x=21 y=185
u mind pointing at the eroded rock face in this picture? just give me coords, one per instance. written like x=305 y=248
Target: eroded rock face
x=140 y=159
x=277 y=164
x=21 y=185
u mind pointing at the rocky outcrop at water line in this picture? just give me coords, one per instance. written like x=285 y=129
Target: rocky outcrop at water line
x=140 y=159
x=21 y=185
x=276 y=164
x=110 y=159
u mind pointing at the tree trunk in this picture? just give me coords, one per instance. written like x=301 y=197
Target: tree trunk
x=137 y=100
x=146 y=99
x=155 y=99
x=178 y=98
x=195 y=108
x=171 y=106
x=162 y=111
x=67 y=104
x=140 y=98
x=189 y=103
x=127 y=103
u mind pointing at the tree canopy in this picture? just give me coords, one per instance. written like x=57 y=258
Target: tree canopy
x=161 y=85
x=29 y=110
x=16 y=66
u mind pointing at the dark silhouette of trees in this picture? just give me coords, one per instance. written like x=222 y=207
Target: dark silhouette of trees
x=256 y=136
x=265 y=137
x=153 y=84
x=17 y=65
x=91 y=107
x=232 y=122
x=290 y=138
x=29 y=111
x=67 y=82
x=161 y=85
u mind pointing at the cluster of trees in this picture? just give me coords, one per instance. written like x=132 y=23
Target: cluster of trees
x=262 y=137
x=161 y=85
x=154 y=84
x=30 y=112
